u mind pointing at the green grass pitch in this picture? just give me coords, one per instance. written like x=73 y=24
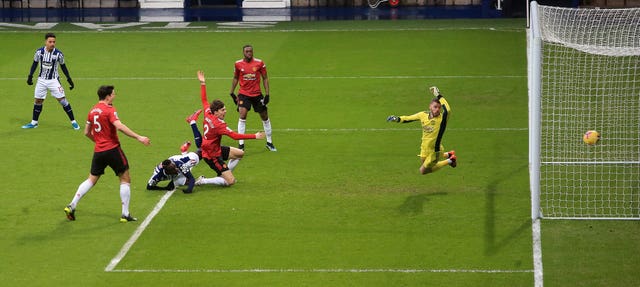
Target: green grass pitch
x=340 y=204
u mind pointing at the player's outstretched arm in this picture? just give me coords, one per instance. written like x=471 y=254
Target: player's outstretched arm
x=203 y=90
x=127 y=131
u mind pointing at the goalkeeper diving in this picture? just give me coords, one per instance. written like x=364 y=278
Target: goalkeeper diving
x=434 y=122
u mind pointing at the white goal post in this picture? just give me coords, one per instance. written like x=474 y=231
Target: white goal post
x=584 y=74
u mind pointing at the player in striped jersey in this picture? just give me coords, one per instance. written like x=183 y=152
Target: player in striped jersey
x=434 y=124
x=49 y=59
x=176 y=169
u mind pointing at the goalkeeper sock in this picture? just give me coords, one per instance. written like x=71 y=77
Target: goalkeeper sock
x=440 y=164
x=267 y=129
x=125 y=196
x=242 y=125
x=84 y=187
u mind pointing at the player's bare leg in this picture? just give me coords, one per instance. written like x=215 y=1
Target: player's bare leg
x=235 y=155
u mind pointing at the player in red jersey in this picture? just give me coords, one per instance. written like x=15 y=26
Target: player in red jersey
x=248 y=72
x=213 y=153
x=101 y=128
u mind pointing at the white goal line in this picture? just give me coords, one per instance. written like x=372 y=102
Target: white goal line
x=296 y=270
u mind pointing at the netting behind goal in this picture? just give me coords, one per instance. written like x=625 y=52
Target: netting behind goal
x=585 y=75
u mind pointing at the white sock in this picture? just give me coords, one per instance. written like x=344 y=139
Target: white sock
x=242 y=126
x=232 y=163
x=84 y=187
x=125 y=196
x=215 y=181
x=267 y=129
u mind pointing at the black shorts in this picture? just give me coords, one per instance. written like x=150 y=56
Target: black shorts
x=257 y=103
x=218 y=164
x=113 y=158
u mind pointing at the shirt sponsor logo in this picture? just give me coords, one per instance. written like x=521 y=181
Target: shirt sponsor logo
x=249 y=77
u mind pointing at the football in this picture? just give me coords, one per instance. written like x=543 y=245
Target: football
x=591 y=137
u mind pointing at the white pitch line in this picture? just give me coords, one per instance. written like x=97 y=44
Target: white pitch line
x=295 y=270
x=537 y=253
x=125 y=248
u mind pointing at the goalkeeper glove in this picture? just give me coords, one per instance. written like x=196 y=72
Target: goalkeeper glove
x=393 y=119
x=30 y=80
x=235 y=99
x=70 y=83
x=266 y=99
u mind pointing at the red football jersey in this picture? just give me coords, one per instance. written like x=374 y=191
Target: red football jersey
x=249 y=76
x=213 y=129
x=105 y=134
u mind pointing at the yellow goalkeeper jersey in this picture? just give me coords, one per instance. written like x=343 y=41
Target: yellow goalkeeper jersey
x=432 y=129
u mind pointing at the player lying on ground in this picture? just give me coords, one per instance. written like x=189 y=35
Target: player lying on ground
x=177 y=170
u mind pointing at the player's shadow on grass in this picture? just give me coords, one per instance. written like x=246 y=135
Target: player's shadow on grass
x=492 y=244
x=414 y=204
x=66 y=228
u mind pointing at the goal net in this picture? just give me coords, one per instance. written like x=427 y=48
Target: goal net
x=584 y=74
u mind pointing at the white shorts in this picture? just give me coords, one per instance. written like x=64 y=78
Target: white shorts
x=51 y=85
x=180 y=180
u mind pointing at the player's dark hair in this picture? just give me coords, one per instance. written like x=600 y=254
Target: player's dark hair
x=246 y=46
x=49 y=35
x=435 y=100
x=216 y=105
x=104 y=91
x=168 y=167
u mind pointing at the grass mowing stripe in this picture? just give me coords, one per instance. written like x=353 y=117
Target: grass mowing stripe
x=125 y=248
x=147 y=30
x=295 y=77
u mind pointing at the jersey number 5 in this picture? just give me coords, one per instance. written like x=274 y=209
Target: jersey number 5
x=96 y=124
